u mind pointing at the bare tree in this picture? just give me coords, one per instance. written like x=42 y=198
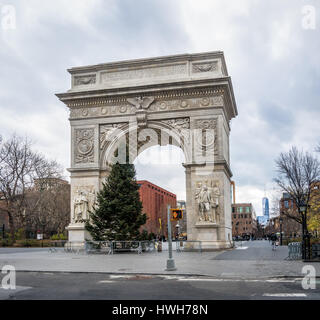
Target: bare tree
x=48 y=206
x=297 y=172
x=20 y=166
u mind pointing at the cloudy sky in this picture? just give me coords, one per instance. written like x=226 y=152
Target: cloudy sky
x=271 y=49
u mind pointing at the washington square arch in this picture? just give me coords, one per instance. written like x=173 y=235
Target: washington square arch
x=186 y=100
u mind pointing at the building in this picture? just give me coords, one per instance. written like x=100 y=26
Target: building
x=4 y=219
x=155 y=200
x=243 y=220
x=290 y=227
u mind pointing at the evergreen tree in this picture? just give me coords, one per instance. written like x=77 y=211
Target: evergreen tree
x=118 y=211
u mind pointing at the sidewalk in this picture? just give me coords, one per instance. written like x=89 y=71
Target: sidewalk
x=226 y=264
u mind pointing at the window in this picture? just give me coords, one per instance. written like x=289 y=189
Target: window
x=286 y=204
x=241 y=209
x=233 y=210
x=247 y=209
x=245 y=216
x=234 y=216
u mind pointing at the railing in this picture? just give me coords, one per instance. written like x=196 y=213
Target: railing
x=295 y=250
x=110 y=247
x=315 y=251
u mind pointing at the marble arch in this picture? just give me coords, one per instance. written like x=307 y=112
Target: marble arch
x=186 y=100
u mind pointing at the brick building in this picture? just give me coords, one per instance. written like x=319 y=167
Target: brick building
x=4 y=219
x=155 y=200
x=290 y=227
x=243 y=219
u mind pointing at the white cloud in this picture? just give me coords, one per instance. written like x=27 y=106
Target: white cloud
x=273 y=63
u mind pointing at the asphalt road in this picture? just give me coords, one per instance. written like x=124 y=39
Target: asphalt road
x=254 y=250
x=65 y=286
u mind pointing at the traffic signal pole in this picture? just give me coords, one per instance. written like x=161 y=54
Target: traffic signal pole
x=170 y=261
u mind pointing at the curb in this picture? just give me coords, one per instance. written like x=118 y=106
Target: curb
x=169 y=274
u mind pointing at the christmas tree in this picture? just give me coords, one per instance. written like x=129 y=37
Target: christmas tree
x=117 y=214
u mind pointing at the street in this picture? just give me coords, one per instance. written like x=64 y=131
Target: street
x=252 y=270
x=35 y=285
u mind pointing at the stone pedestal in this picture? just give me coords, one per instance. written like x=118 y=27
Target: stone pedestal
x=77 y=235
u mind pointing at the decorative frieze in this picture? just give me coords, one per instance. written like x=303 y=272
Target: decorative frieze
x=179 y=123
x=141 y=102
x=144 y=73
x=84 y=145
x=204 y=67
x=84 y=80
x=146 y=104
x=159 y=96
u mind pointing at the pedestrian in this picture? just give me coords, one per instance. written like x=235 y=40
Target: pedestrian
x=274 y=240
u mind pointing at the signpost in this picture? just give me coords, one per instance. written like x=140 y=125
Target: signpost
x=170 y=261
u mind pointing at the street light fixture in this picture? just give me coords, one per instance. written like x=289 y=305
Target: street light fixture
x=280 y=221
x=303 y=209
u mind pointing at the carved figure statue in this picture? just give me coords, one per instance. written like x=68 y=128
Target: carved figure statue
x=208 y=202
x=81 y=206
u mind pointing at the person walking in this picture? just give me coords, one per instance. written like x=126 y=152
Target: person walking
x=274 y=240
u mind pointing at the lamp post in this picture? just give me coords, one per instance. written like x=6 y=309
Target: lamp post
x=170 y=262
x=280 y=221
x=302 y=209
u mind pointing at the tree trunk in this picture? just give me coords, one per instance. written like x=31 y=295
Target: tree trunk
x=11 y=226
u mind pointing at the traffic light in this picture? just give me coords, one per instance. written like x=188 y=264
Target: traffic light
x=176 y=214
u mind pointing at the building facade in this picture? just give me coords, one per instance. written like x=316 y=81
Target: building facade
x=290 y=227
x=243 y=220
x=155 y=200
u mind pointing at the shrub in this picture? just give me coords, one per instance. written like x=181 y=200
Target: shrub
x=59 y=236
x=6 y=243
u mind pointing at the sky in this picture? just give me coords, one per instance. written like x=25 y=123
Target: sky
x=271 y=50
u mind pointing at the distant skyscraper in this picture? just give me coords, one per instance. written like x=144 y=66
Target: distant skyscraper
x=265 y=209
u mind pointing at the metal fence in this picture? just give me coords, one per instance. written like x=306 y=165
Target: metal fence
x=111 y=247
x=295 y=251
x=315 y=252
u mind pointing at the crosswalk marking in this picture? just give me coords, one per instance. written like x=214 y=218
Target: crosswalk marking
x=281 y=295
x=241 y=248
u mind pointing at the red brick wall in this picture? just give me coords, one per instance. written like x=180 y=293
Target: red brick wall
x=155 y=200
